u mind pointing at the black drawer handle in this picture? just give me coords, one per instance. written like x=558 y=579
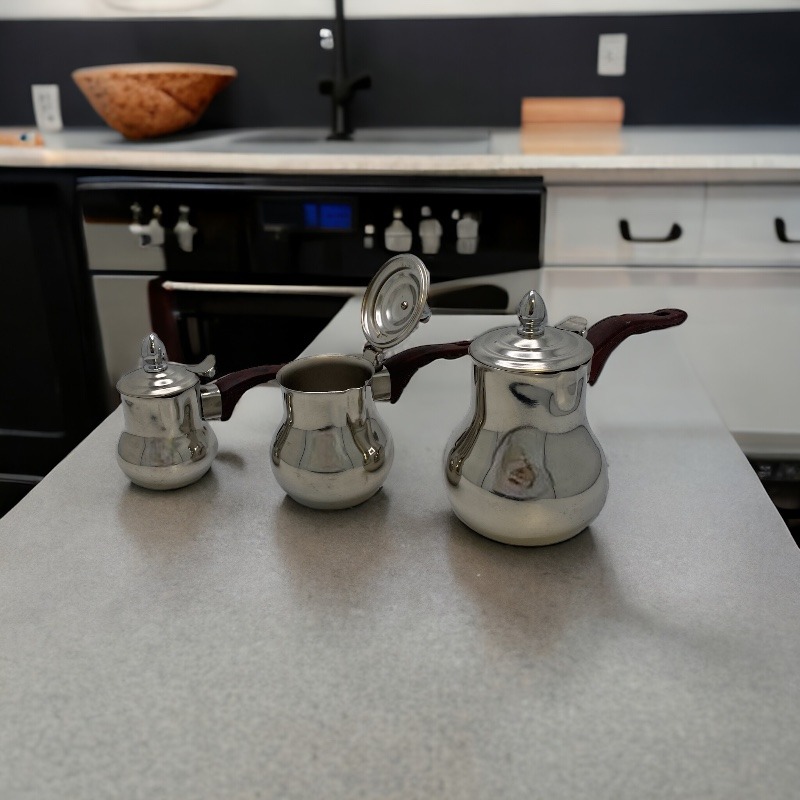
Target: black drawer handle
x=625 y=229
x=780 y=231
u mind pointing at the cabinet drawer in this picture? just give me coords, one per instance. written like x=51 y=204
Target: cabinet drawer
x=752 y=225
x=624 y=224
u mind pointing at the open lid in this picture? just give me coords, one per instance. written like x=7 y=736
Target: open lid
x=532 y=346
x=158 y=376
x=395 y=301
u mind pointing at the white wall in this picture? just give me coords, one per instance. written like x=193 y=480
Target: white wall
x=62 y=9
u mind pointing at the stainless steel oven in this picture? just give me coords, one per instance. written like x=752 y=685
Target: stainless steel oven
x=252 y=269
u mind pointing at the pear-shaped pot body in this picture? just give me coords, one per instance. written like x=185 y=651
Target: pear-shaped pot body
x=524 y=467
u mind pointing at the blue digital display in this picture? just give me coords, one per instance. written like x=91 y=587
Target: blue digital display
x=311 y=215
x=328 y=216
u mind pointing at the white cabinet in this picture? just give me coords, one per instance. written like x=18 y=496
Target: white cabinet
x=624 y=224
x=694 y=224
x=752 y=225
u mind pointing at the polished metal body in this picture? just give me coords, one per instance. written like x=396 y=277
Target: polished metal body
x=332 y=450
x=166 y=443
x=524 y=467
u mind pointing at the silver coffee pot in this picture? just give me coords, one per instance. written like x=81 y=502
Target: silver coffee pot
x=332 y=449
x=525 y=467
x=166 y=442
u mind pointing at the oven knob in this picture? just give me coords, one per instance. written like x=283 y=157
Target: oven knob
x=155 y=228
x=150 y=235
x=397 y=237
x=430 y=232
x=136 y=227
x=184 y=230
x=467 y=234
x=369 y=237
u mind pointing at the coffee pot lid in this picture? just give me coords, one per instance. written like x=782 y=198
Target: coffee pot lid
x=158 y=376
x=533 y=346
x=395 y=301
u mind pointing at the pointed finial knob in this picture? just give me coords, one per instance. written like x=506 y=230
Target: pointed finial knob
x=532 y=315
x=154 y=354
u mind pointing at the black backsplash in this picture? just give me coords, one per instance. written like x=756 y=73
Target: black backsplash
x=683 y=69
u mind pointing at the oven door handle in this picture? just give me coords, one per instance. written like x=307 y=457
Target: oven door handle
x=164 y=308
x=261 y=288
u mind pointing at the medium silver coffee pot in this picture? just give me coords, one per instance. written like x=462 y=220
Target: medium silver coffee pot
x=166 y=442
x=525 y=467
x=332 y=449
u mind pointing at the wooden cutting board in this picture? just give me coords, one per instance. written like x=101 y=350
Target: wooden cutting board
x=571 y=125
x=572 y=110
x=20 y=137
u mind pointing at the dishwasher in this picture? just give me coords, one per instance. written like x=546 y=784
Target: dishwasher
x=252 y=268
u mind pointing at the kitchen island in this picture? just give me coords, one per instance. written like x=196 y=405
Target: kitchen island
x=223 y=641
x=731 y=193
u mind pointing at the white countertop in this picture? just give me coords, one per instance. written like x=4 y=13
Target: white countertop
x=645 y=153
x=222 y=641
x=741 y=337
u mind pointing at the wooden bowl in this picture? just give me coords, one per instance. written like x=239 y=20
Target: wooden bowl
x=145 y=100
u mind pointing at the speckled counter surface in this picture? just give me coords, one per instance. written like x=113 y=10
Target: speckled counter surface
x=221 y=641
x=653 y=154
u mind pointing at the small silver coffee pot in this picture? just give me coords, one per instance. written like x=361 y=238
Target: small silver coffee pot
x=525 y=467
x=167 y=442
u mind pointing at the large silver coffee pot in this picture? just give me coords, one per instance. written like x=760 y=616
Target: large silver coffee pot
x=525 y=467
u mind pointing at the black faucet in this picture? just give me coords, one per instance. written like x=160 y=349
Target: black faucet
x=340 y=88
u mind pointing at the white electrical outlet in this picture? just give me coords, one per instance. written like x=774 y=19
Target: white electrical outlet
x=611 y=52
x=47 y=106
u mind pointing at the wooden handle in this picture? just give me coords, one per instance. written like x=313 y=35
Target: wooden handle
x=233 y=385
x=605 y=336
x=402 y=367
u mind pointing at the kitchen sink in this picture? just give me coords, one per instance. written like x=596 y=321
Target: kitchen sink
x=302 y=141
x=368 y=140
x=378 y=141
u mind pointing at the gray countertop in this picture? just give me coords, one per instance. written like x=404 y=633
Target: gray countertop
x=657 y=154
x=222 y=641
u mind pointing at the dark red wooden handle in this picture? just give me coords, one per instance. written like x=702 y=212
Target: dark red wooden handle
x=233 y=385
x=605 y=336
x=402 y=366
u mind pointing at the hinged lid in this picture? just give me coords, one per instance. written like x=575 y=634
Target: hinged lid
x=395 y=301
x=157 y=377
x=532 y=346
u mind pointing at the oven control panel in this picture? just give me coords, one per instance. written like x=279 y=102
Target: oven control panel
x=325 y=231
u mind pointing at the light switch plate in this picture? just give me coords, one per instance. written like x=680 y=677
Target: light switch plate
x=611 y=53
x=47 y=106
